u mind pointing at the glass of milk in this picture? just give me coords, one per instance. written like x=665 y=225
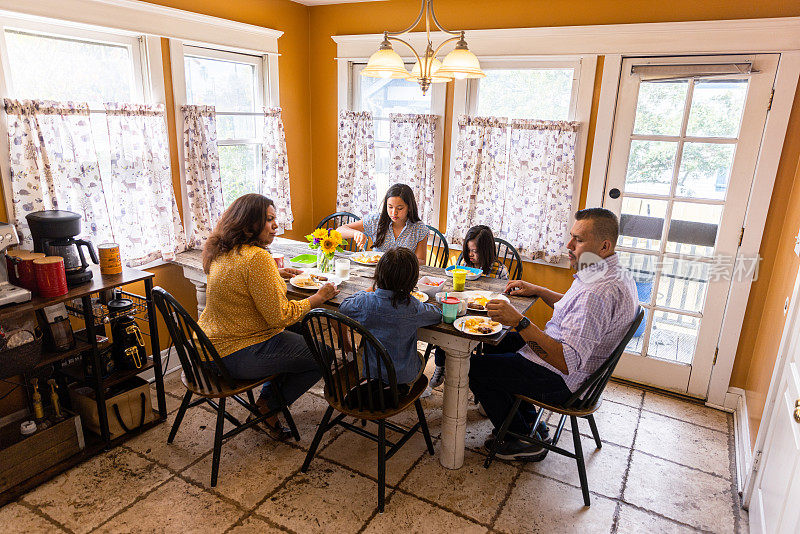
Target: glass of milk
x=342 y=268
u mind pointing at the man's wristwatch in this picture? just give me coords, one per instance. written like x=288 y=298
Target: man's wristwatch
x=522 y=324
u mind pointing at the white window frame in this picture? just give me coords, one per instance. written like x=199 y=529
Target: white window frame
x=438 y=92
x=145 y=55
x=347 y=97
x=465 y=102
x=267 y=93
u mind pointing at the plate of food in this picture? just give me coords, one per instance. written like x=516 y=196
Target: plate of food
x=313 y=280
x=477 y=300
x=368 y=258
x=420 y=296
x=477 y=326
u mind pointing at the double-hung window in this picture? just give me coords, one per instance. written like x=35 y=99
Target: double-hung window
x=385 y=96
x=234 y=83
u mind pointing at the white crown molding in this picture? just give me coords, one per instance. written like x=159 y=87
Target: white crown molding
x=145 y=18
x=720 y=36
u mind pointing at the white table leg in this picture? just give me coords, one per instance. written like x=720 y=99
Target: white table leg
x=454 y=411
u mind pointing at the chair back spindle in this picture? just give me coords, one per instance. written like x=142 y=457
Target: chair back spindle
x=201 y=363
x=338 y=343
x=509 y=256
x=335 y=220
x=439 y=254
x=590 y=391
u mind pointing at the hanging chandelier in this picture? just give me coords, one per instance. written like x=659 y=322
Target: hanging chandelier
x=460 y=63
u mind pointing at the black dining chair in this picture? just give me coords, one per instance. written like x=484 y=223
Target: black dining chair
x=583 y=403
x=205 y=375
x=335 y=220
x=369 y=393
x=439 y=253
x=507 y=255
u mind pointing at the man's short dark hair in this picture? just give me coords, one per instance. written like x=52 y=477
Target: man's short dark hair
x=605 y=224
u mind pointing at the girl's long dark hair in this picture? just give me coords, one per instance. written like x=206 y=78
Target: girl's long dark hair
x=240 y=224
x=484 y=242
x=407 y=195
x=397 y=271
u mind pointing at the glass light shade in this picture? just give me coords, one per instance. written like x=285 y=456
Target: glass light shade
x=385 y=63
x=461 y=63
x=435 y=78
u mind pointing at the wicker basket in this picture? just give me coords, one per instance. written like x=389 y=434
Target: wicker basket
x=21 y=359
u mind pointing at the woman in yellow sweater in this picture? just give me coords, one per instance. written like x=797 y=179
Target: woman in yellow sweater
x=247 y=312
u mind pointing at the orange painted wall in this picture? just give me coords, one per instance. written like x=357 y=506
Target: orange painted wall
x=762 y=328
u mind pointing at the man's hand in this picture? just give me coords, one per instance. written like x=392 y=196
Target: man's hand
x=503 y=312
x=289 y=272
x=520 y=288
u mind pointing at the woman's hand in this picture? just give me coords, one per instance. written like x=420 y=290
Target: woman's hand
x=360 y=238
x=323 y=294
x=289 y=272
x=520 y=288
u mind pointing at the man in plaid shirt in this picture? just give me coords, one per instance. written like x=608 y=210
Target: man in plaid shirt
x=588 y=322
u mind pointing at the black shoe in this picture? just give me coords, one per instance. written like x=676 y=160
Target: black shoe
x=543 y=433
x=519 y=450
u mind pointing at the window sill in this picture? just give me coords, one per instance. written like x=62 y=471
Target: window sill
x=563 y=264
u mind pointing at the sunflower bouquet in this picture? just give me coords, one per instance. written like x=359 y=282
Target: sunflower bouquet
x=325 y=241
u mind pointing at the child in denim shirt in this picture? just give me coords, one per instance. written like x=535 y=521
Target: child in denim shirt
x=393 y=315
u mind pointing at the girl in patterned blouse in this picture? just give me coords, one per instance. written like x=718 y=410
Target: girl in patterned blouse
x=397 y=225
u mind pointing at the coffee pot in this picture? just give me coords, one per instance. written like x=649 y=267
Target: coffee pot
x=53 y=232
x=129 y=349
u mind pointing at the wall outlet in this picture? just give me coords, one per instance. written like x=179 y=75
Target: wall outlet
x=797 y=244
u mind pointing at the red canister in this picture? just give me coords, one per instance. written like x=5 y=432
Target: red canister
x=51 y=278
x=26 y=275
x=12 y=259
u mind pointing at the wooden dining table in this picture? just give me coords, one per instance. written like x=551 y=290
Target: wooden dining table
x=457 y=345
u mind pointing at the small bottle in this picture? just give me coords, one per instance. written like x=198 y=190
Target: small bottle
x=38 y=409
x=54 y=402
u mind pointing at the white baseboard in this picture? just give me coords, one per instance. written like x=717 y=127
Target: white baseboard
x=741 y=434
x=150 y=374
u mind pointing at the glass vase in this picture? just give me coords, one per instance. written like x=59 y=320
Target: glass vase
x=325 y=262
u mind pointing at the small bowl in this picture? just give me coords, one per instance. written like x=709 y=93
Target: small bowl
x=472 y=272
x=428 y=289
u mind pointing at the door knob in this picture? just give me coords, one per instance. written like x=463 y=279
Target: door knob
x=614 y=193
x=797 y=410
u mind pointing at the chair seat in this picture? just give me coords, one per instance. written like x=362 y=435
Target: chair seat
x=577 y=412
x=223 y=389
x=404 y=401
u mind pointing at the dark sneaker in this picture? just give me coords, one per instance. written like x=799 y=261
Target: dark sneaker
x=437 y=379
x=519 y=450
x=543 y=433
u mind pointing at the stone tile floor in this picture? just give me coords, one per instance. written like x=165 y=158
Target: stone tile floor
x=666 y=466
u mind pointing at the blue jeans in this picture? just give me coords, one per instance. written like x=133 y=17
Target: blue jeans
x=285 y=353
x=501 y=372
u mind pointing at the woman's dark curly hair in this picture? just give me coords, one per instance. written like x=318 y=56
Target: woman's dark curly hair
x=240 y=225
x=397 y=271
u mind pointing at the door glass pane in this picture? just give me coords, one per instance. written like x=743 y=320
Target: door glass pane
x=705 y=170
x=641 y=223
x=660 y=108
x=717 y=107
x=693 y=228
x=650 y=167
x=526 y=93
x=673 y=337
x=227 y=85
x=643 y=269
x=683 y=284
x=55 y=68
x=238 y=165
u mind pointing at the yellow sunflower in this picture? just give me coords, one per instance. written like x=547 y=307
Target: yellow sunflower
x=336 y=236
x=328 y=245
x=320 y=233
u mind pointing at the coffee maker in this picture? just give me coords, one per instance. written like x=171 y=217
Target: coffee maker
x=53 y=233
x=9 y=293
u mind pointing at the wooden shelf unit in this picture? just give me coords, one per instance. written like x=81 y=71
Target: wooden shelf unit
x=87 y=346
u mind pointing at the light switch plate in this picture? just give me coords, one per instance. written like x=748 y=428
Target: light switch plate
x=797 y=244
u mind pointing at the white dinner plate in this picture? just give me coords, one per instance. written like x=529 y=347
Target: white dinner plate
x=420 y=296
x=356 y=258
x=459 y=325
x=330 y=276
x=480 y=293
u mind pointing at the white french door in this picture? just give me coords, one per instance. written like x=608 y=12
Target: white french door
x=686 y=138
